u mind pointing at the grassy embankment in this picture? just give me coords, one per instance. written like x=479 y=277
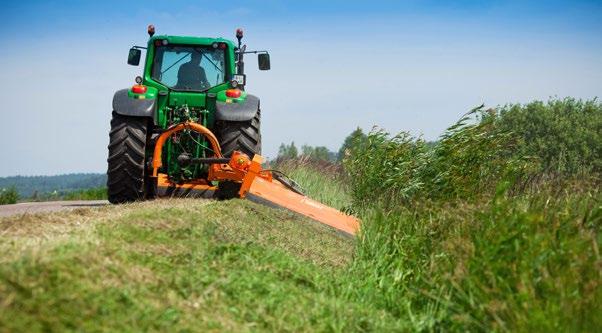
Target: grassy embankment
x=175 y=266
x=495 y=227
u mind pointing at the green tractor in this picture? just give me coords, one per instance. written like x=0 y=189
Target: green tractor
x=185 y=80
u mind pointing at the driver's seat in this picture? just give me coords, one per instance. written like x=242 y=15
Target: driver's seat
x=189 y=77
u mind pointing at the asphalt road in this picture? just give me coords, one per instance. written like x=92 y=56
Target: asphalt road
x=49 y=206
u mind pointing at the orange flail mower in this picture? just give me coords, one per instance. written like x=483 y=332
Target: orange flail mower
x=250 y=179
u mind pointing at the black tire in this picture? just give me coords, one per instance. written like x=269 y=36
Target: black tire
x=126 y=172
x=244 y=136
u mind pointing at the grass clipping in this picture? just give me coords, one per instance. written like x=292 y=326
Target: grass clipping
x=171 y=265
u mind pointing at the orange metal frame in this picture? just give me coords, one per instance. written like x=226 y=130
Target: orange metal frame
x=157 y=162
x=255 y=181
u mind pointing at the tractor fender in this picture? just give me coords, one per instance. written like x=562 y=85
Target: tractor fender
x=127 y=106
x=243 y=111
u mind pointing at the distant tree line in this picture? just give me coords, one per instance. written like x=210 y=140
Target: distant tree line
x=41 y=186
x=320 y=153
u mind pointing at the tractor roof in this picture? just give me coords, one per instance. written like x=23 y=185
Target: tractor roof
x=192 y=40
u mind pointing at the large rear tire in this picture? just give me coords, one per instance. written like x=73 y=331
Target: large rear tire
x=243 y=136
x=127 y=159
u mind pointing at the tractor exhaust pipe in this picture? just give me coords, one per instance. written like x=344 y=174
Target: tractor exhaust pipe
x=240 y=65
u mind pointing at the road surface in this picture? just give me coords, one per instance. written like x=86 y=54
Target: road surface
x=49 y=206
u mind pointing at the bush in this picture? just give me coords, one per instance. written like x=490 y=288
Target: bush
x=495 y=227
x=559 y=140
x=564 y=135
x=9 y=196
x=469 y=157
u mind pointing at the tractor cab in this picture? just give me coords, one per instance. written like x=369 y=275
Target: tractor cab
x=196 y=64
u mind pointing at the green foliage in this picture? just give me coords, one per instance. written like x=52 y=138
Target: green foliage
x=401 y=168
x=385 y=168
x=357 y=137
x=495 y=227
x=526 y=263
x=516 y=145
x=99 y=193
x=28 y=186
x=8 y=196
x=287 y=151
x=565 y=135
x=471 y=157
x=319 y=153
x=321 y=181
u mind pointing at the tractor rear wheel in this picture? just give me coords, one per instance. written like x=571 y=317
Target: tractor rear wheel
x=126 y=173
x=243 y=136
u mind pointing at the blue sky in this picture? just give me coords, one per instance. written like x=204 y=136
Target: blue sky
x=401 y=65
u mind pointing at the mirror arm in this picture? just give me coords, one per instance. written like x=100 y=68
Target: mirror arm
x=255 y=52
x=139 y=47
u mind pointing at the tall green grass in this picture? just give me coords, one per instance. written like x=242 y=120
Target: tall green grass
x=494 y=227
x=321 y=180
x=470 y=157
x=521 y=144
x=527 y=263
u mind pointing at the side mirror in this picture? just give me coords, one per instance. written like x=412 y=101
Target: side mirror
x=264 y=61
x=134 y=57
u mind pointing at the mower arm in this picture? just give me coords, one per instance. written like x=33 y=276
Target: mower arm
x=256 y=183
